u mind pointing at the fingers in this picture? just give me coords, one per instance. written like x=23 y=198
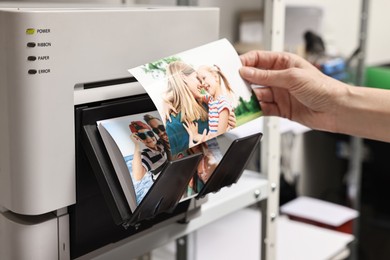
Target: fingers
x=135 y=138
x=166 y=117
x=262 y=59
x=267 y=101
x=272 y=78
x=187 y=129
x=264 y=94
x=252 y=59
x=272 y=60
x=203 y=136
x=270 y=109
x=274 y=102
x=172 y=108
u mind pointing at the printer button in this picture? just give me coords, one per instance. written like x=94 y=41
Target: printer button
x=32 y=71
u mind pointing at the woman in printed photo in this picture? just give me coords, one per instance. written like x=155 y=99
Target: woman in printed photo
x=187 y=115
x=182 y=98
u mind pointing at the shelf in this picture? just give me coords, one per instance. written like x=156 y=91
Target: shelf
x=312 y=242
x=249 y=190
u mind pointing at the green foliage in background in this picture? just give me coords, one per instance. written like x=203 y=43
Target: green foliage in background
x=159 y=66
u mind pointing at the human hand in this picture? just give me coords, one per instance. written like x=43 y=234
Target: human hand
x=294 y=88
x=232 y=122
x=194 y=137
x=136 y=140
x=167 y=109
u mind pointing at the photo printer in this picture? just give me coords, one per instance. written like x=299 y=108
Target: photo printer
x=61 y=70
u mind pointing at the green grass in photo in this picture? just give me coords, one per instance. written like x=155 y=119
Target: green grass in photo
x=244 y=118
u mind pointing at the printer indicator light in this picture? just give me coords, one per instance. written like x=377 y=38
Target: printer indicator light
x=30 y=31
x=31 y=58
x=32 y=72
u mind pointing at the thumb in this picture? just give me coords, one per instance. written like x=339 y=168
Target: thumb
x=270 y=78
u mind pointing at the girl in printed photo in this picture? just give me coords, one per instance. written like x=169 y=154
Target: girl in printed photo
x=219 y=97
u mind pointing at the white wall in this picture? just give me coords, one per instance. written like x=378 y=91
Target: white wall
x=379 y=34
x=229 y=14
x=341 y=26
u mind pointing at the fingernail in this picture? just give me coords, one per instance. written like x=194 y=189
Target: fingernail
x=247 y=72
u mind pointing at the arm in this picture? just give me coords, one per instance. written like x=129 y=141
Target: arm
x=365 y=112
x=167 y=108
x=138 y=170
x=297 y=90
x=223 y=122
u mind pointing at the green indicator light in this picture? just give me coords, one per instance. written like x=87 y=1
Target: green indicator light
x=30 y=31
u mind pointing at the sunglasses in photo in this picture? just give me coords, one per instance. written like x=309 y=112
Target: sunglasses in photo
x=145 y=135
x=158 y=129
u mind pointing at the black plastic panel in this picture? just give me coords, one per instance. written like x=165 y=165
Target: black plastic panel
x=92 y=222
x=232 y=165
x=168 y=189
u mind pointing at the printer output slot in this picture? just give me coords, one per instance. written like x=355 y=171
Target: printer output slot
x=169 y=185
x=113 y=89
x=105 y=83
x=163 y=196
x=94 y=220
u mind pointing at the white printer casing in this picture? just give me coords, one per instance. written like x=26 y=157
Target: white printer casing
x=73 y=47
x=47 y=56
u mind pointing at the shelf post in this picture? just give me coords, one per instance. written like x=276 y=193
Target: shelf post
x=357 y=143
x=274 y=13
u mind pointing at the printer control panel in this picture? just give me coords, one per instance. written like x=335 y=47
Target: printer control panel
x=38 y=46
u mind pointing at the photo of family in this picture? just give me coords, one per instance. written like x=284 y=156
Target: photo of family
x=199 y=94
x=140 y=143
x=139 y=149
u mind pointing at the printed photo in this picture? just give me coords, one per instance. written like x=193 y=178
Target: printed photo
x=143 y=147
x=212 y=155
x=199 y=94
x=139 y=149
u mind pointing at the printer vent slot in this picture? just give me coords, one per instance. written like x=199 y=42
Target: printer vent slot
x=105 y=83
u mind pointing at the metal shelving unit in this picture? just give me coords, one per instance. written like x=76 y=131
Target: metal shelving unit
x=274 y=13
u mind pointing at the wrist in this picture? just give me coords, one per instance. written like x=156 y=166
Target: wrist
x=343 y=100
